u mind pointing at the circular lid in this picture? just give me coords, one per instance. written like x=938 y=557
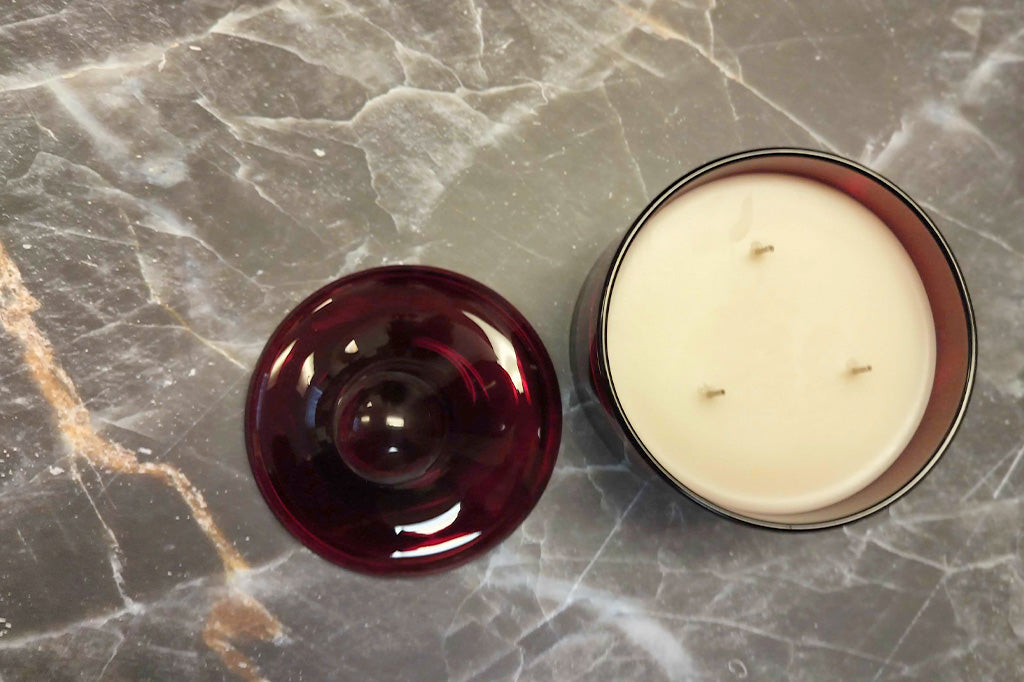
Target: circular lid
x=403 y=420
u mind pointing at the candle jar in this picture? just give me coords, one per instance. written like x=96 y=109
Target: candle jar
x=955 y=345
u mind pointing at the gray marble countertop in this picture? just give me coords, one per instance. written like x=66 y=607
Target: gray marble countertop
x=174 y=176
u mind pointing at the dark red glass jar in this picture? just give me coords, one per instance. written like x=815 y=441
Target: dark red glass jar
x=956 y=343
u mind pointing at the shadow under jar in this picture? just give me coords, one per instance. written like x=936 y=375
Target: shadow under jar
x=783 y=334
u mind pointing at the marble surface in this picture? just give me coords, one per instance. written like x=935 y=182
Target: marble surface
x=174 y=176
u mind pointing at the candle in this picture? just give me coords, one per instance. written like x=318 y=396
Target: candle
x=770 y=343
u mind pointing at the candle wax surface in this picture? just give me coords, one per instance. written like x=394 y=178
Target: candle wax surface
x=691 y=308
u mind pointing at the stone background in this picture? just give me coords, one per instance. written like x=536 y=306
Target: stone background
x=175 y=176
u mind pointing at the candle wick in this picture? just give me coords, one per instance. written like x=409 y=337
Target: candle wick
x=711 y=391
x=758 y=249
x=859 y=369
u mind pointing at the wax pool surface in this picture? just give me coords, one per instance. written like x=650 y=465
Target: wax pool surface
x=691 y=307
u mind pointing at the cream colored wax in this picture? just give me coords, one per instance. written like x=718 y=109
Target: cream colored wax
x=736 y=369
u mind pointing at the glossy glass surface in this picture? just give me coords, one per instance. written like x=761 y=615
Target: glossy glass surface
x=403 y=420
x=956 y=343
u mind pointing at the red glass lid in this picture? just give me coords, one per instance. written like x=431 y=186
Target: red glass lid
x=403 y=420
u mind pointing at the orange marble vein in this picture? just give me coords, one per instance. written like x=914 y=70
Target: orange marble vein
x=237 y=615
x=658 y=27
